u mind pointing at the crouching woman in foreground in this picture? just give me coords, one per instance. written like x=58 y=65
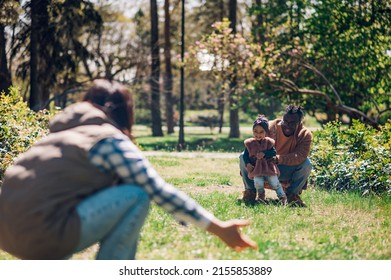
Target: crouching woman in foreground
x=86 y=183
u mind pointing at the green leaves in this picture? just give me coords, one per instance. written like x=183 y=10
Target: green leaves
x=356 y=158
x=20 y=127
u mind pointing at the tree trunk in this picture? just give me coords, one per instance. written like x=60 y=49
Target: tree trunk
x=234 y=131
x=5 y=76
x=220 y=110
x=259 y=35
x=221 y=6
x=41 y=64
x=34 y=89
x=181 y=138
x=168 y=75
x=155 y=73
x=233 y=95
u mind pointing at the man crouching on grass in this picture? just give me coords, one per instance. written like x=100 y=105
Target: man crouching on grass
x=292 y=143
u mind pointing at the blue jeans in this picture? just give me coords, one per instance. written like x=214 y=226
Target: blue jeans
x=259 y=183
x=113 y=217
x=296 y=175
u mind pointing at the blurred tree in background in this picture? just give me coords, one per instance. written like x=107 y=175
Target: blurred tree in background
x=331 y=56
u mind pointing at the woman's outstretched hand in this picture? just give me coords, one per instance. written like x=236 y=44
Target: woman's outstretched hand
x=230 y=234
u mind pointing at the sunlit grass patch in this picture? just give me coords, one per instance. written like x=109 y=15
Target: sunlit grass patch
x=334 y=226
x=184 y=172
x=317 y=232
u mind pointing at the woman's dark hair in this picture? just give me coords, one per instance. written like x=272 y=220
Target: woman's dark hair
x=115 y=100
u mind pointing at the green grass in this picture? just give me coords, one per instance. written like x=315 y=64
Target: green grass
x=351 y=228
x=199 y=138
x=188 y=172
x=196 y=138
x=335 y=226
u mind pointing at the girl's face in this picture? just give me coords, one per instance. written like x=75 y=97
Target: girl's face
x=259 y=132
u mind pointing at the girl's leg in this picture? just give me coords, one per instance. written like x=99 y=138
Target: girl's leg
x=259 y=183
x=276 y=185
x=113 y=217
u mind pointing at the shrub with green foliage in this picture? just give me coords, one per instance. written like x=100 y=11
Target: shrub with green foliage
x=20 y=127
x=355 y=158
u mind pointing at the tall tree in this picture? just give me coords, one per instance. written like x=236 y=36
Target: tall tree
x=168 y=77
x=276 y=24
x=9 y=11
x=5 y=75
x=49 y=45
x=181 y=138
x=39 y=27
x=155 y=72
x=234 y=131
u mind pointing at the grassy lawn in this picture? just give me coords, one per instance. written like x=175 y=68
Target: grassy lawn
x=335 y=226
x=197 y=139
x=200 y=138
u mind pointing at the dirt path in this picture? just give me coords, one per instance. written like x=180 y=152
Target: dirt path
x=191 y=154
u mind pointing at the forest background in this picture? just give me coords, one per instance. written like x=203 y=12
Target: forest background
x=240 y=57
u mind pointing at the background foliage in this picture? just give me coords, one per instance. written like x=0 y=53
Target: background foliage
x=354 y=158
x=20 y=127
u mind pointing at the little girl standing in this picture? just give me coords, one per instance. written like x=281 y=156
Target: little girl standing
x=259 y=167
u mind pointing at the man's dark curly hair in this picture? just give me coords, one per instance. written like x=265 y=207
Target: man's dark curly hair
x=292 y=109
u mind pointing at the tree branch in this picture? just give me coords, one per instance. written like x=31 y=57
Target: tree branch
x=291 y=87
x=314 y=69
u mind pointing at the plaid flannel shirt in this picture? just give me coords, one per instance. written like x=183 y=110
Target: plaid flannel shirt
x=121 y=156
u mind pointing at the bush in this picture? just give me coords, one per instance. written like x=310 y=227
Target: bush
x=355 y=158
x=20 y=127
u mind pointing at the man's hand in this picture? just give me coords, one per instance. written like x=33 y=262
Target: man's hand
x=270 y=153
x=249 y=167
x=273 y=160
